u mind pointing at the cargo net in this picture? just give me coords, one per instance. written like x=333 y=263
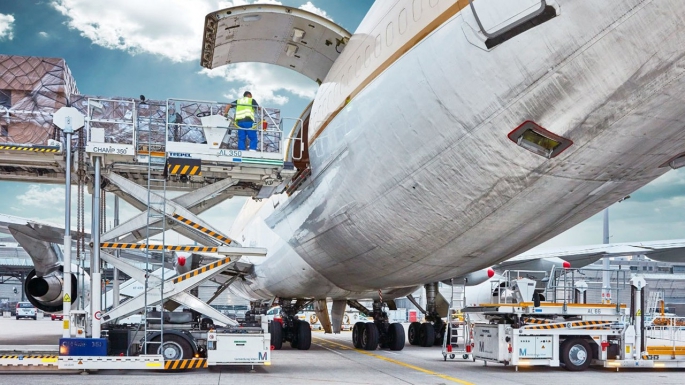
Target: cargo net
x=31 y=90
x=185 y=125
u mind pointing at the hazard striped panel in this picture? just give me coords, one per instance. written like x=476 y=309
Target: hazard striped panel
x=25 y=356
x=201 y=270
x=194 y=363
x=203 y=229
x=141 y=246
x=592 y=325
x=51 y=149
x=183 y=166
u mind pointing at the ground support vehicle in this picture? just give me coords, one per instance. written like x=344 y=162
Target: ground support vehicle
x=567 y=332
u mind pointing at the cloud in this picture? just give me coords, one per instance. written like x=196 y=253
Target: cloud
x=264 y=81
x=168 y=28
x=43 y=34
x=172 y=29
x=308 y=6
x=6 y=27
x=41 y=196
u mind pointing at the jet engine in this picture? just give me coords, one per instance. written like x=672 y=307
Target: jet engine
x=43 y=285
x=476 y=277
x=45 y=292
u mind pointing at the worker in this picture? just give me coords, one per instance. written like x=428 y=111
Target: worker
x=245 y=118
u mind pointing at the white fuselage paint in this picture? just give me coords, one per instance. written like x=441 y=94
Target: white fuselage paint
x=415 y=180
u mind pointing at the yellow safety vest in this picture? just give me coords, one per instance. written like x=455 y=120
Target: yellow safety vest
x=244 y=109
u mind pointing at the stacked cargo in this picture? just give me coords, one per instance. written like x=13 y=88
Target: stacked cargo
x=31 y=90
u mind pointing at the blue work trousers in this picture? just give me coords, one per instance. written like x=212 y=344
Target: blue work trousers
x=249 y=132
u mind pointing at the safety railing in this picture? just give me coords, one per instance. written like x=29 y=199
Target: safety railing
x=295 y=144
x=568 y=285
x=111 y=121
x=666 y=328
x=206 y=122
x=502 y=289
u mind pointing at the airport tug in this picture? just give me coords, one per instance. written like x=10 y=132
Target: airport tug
x=564 y=330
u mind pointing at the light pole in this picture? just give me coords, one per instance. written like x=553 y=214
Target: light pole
x=606 y=263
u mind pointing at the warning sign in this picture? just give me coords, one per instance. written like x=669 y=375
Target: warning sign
x=638 y=313
x=65 y=324
x=98 y=315
x=66 y=298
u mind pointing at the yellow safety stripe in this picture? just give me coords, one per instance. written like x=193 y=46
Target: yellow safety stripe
x=140 y=246
x=201 y=270
x=30 y=148
x=193 y=363
x=203 y=229
x=586 y=324
x=184 y=169
x=34 y=356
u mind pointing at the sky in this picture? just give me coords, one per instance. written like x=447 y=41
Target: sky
x=152 y=47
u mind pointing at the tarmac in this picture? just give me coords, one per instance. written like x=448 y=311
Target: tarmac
x=331 y=360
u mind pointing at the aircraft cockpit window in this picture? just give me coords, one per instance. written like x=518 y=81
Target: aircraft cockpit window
x=537 y=140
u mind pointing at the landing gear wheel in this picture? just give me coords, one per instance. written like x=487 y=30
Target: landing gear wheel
x=396 y=336
x=426 y=335
x=276 y=330
x=413 y=333
x=304 y=335
x=173 y=348
x=576 y=354
x=357 y=334
x=369 y=336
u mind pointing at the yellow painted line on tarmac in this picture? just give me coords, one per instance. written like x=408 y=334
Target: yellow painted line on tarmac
x=396 y=362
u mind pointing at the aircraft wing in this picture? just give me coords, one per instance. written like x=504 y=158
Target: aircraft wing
x=663 y=251
x=43 y=231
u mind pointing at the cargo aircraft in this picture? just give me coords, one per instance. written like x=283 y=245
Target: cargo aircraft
x=448 y=136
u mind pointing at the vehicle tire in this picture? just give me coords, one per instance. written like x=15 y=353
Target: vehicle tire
x=413 y=333
x=396 y=336
x=35 y=317
x=576 y=354
x=174 y=348
x=426 y=335
x=276 y=330
x=357 y=334
x=304 y=335
x=370 y=336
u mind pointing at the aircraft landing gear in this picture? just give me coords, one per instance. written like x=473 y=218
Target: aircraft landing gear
x=291 y=329
x=380 y=332
x=431 y=332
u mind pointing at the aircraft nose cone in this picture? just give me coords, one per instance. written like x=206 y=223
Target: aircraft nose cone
x=181 y=261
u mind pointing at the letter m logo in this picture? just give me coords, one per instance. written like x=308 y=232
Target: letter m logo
x=523 y=352
x=481 y=346
x=263 y=357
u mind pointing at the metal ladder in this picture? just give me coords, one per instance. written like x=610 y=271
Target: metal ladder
x=457 y=339
x=155 y=224
x=653 y=304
